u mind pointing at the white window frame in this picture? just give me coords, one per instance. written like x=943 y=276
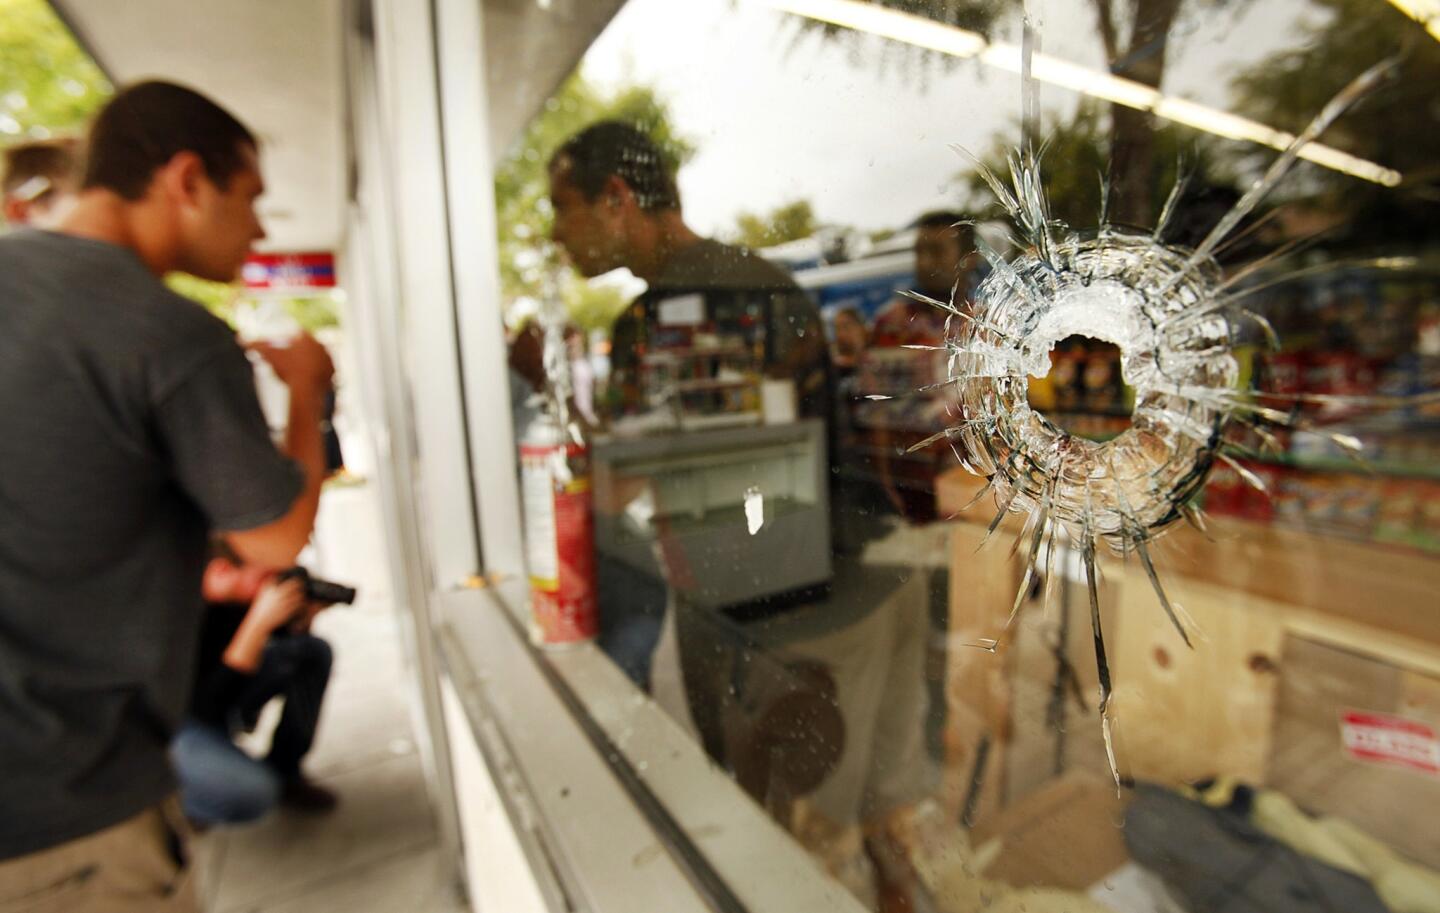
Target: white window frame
x=613 y=806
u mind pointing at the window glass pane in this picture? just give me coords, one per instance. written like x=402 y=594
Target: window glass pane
x=1055 y=516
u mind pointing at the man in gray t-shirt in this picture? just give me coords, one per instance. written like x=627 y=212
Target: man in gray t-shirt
x=616 y=203
x=129 y=433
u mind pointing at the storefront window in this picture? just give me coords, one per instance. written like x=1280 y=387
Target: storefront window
x=1054 y=525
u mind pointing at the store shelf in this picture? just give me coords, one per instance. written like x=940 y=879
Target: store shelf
x=683 y=354
x=691 y=386
x=1340 y=464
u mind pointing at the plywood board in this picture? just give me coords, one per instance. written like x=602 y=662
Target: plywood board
x=1308 y=762
x=1067 y=835
x=1390 y=588
x=982 y=589
x=1183 y=714
x=1037 y=746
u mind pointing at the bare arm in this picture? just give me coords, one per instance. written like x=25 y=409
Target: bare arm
x=305 y=368
x=275 y=606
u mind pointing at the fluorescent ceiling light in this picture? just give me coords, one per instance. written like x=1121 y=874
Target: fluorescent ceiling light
x=1425 y=12
x=879 y=20
x=958 y=42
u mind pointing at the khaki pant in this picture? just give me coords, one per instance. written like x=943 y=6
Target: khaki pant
x=137 y=866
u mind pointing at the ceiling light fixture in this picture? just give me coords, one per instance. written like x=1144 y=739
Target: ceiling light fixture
x=1425 y=12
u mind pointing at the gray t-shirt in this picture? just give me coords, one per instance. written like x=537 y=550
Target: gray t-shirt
x=735 y=284
x=129 y=429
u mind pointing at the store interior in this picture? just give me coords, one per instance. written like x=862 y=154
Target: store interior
x=903 y=673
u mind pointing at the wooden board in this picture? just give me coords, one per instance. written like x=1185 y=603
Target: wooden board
x=1309 y=763
x=1066 y=835
x=1036 y=746
x=1391 y=590
x=1388 y=588
x=982 y=588
x=1183 y=714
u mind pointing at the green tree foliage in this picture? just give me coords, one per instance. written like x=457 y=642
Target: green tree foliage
x=315 y=312
x=593 y=307
x=529 y=264
x=1135 y=36
x=48 y=84
x=226 y=300
x=1395 y=127
x=219 y=298
x=787 y=222
x=1077 y=159
x=972 y=15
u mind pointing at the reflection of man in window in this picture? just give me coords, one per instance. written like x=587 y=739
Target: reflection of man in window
x=944 y=263
x=943 y=254
x=617 y=205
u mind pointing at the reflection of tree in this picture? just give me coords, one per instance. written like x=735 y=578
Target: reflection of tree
x=1396 y=127
x=593 y=307
x=529 y=264
x=788 y=222
x=1135 y=35
x=1133 y=138
x=1077 y=155
x=975 y=15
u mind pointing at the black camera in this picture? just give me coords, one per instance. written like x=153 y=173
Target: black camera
x=317 y=590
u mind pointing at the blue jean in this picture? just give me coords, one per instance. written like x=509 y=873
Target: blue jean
x=295 y=668
x=219 y=783
x=632 y=612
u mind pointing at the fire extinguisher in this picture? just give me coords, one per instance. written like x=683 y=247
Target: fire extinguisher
x=559 y=534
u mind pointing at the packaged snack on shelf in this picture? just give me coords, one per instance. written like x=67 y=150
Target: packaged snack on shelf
x=1222 y=491
x=1289 y=497
x=1428 y=534
x=1320 y=501
x=1283 y=373
x=1398 y=518
x=1339 y=373
x=1253 y=504
x=1100 y=381
x=1358 y=505
x=1065 y=372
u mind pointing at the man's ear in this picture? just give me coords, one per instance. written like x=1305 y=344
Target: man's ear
x=617 y=193
x=183 y=177
x=15 y=210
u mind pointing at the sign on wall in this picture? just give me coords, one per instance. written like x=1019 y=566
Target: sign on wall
x=289 y=271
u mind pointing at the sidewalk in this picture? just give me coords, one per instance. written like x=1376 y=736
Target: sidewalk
x=376 y=853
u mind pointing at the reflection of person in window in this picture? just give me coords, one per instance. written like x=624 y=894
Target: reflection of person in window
x=944 y=253
x=854 y=497
x=944 y=261
x=851 y=340
x=617 y=205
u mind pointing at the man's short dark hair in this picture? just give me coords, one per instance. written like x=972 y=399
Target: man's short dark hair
x=148 y=124
x=945 y=218
x=57 y=161
x=615 y=148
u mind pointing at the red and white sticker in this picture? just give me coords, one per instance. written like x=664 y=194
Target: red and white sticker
x=1379 y=738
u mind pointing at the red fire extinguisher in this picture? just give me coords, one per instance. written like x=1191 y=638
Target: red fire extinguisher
x=559 y=534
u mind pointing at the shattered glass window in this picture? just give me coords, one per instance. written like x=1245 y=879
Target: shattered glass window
x=1007 y=435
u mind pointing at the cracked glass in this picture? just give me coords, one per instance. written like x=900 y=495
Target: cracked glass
x=1004 y=435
